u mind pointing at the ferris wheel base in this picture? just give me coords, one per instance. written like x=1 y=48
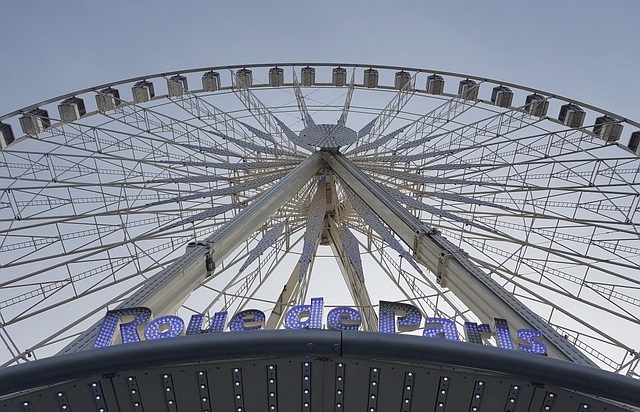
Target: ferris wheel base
x=310 y=370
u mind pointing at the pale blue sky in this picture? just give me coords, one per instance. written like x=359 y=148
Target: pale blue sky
x=584 y=49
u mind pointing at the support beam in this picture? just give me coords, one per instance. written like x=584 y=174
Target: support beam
x=165 y=291
x=285 y=300
x=347 y=101
x=482 y=294
x=356 y=287
x=307 y=120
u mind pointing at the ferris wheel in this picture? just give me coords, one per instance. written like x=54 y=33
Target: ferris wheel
x=261 y=187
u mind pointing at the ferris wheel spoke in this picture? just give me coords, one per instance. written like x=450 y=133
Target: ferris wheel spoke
x=584 y=322
x=545 y=269
x=604 y=261
x=100 y=242
x=589 y=238
x=130 y=140
x=483 y=200
x=385 y=117
x=493 y=218
x=584 y=282
x=530 y=294
x=231 y=125
x=59 y=334
x=347 y=101
x=500 y=124
x=225 y=191
x=114 y=207
x=152 y=125
x=575 y=338
x=208 y=114
x=89 y=219
x=583 y=173
x=570 y=248
x=47 y=300
x=82 y=174
x=427 y=179
x=68 y=255
x=109 y=141
x=422 y=130
x=262 y=114
x=40 y=288
x=526 y=177
x=307 y=120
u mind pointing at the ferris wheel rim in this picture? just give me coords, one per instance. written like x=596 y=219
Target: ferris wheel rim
x=297 y=65
x=460 y=75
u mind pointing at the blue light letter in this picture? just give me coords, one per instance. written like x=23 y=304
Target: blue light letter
x=313 y=313
x=446 y=329
x=503 y=335
x=344 y=318
x=533 y=345
x=251 y=319
x=474 y=332
x=217 y=324
x=128 y=330
x=164 y=327
x=410 y=317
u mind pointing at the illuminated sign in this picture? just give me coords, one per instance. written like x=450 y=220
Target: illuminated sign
x=393 y=317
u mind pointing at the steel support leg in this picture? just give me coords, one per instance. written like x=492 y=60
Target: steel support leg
x=482 y=294
x=165 y=291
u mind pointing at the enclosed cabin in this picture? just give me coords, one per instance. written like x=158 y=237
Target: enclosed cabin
x=571 y=115
x=177 y=85
x=71 y=109
x=435 y=84
x=276 y=77
x=211 y=81
x=403 y=80
x=6 y=135
x=371 y=77
x=607 y=128
x=502 y=96
x=143 y=91
x=634 y=143
x=468 y=89
x=339 y=76
x=536 y=105
x=35 y=121
x=108 y=99
x=244 y=78
x=307 y=76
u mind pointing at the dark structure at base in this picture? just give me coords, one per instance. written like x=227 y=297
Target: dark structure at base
x=310 y=371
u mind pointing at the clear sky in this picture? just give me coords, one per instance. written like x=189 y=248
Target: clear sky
x=585 y=49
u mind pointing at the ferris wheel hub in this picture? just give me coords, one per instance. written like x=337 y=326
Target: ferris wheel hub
x=328 y=135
